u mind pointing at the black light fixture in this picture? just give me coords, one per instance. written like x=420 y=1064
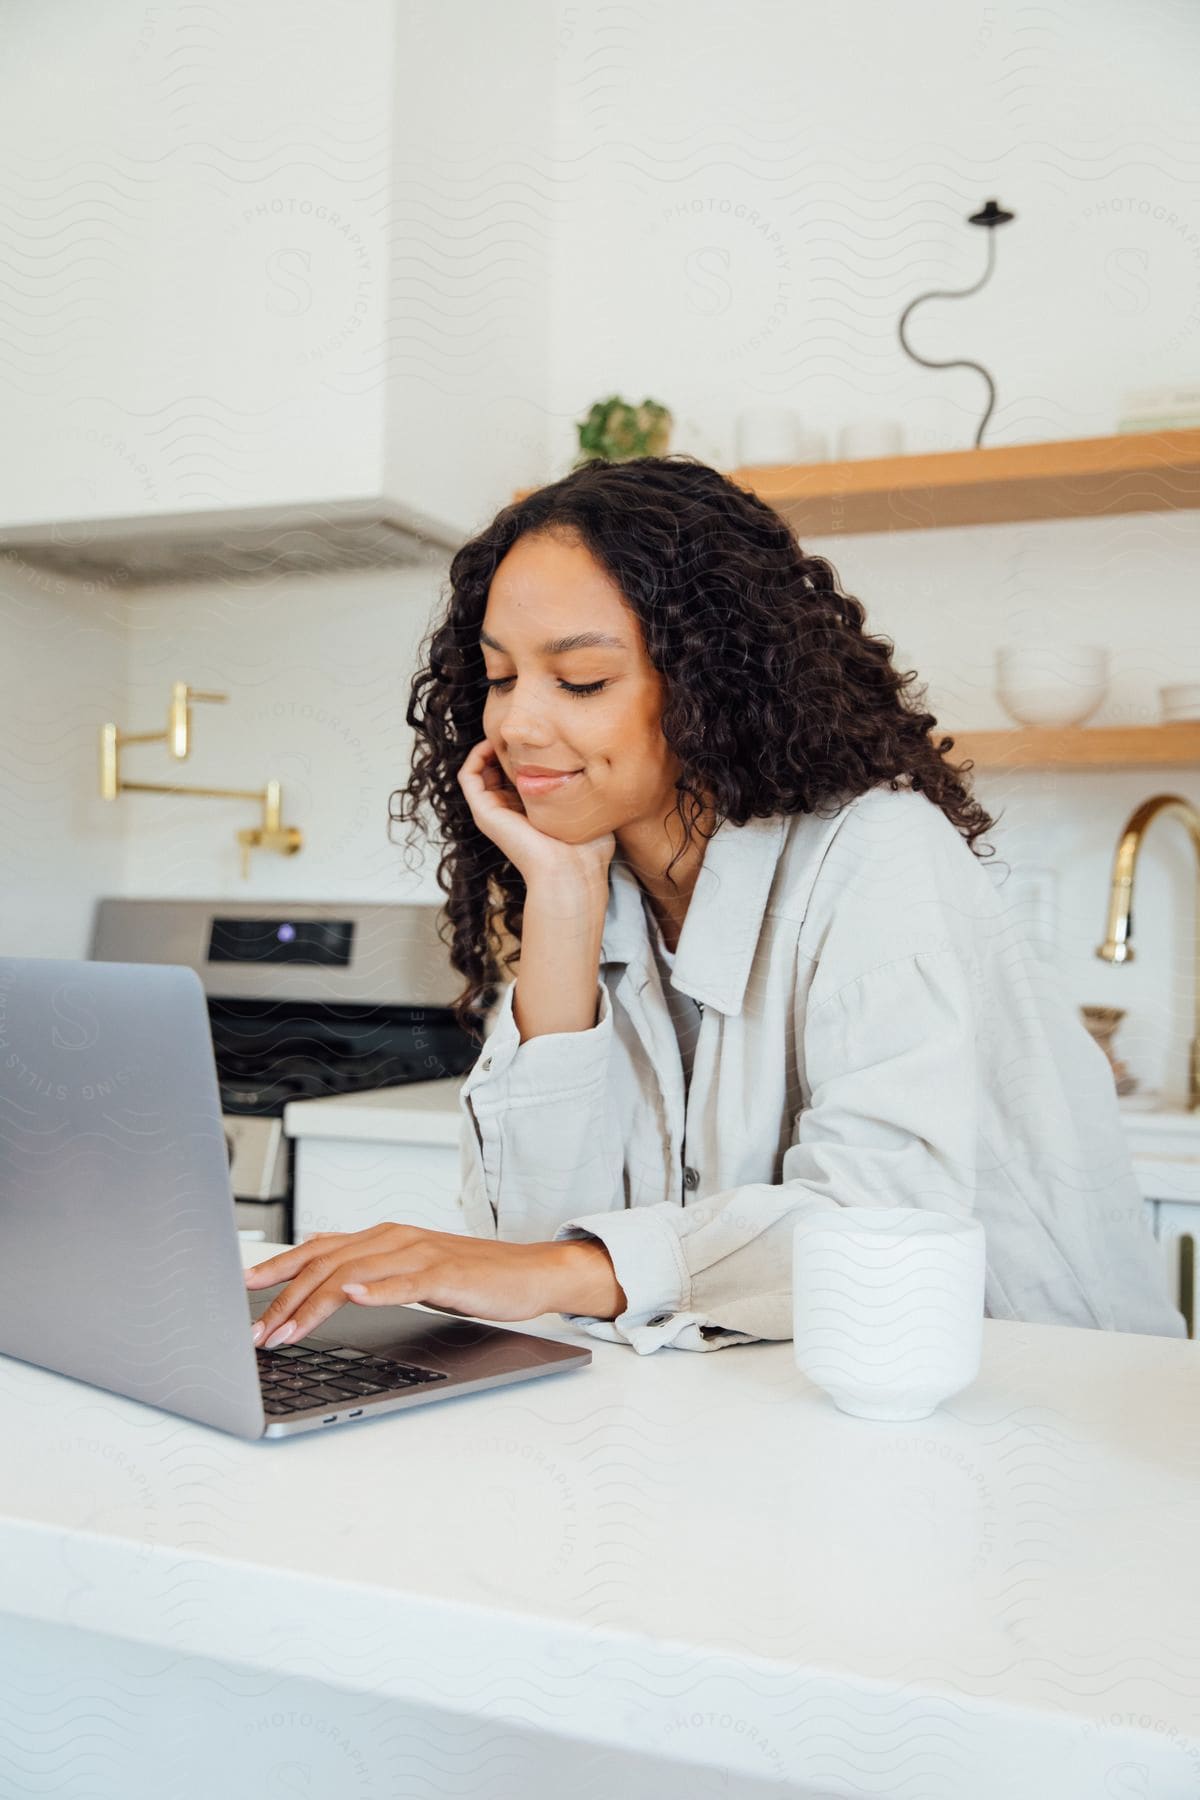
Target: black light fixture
x=991 y=216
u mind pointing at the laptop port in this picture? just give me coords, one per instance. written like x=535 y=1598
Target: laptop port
x=355 y=1415
x=330 y=1420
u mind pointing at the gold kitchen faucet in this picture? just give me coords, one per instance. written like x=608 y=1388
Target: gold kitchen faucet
x=272 y=834
x=1117 y=947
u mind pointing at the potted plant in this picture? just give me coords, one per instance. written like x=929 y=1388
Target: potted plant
x=614 y=431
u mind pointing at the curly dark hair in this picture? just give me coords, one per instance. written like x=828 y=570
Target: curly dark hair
x=778 y=700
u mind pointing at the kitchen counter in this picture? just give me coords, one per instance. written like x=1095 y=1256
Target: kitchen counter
x=691 y=1569
x=428 y=1112
x=342 y=1190
x=387 y=1153
x=424 y=1112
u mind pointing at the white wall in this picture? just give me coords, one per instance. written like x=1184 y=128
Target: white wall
x=317 y=671
x=751 y=196
x=62 y=675
x=736 y=207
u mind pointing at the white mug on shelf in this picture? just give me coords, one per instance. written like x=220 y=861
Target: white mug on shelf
x=870 y=438
x=767 y=434
x=1180 y=702
x=1051 y=684
x=888 y=1307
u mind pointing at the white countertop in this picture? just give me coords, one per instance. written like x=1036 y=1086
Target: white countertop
x=428 y=1112
x=694 y=1555
x=1166 y=1156
x=423 y=1112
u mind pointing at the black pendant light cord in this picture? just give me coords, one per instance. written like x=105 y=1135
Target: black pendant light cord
x=991 y=216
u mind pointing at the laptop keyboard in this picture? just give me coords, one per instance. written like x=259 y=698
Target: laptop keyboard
x=297 y=1376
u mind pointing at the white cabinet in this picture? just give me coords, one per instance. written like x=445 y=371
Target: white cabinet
x=212 y=266
x=1166 y=1161
x=345 y=1185
x=284 y=254
x=1170 y=1182
x=387 y=1154
x=1178 y=1227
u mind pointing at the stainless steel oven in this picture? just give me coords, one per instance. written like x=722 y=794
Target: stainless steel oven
x=304 y=1000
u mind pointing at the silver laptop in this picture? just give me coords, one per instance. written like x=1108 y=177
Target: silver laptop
x=119 y=1257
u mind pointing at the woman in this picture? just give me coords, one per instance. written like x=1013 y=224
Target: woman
x=762 y=969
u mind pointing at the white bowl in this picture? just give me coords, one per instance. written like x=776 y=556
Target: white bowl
x=1051 y=684
x=1050 y=706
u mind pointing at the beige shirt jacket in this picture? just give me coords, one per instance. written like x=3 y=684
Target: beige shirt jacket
x=876 y=1030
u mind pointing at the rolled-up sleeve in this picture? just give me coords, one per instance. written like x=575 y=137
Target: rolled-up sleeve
x=537 y=1143
x=892 y=1069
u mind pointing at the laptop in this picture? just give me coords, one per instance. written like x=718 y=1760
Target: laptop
x=119 y=1256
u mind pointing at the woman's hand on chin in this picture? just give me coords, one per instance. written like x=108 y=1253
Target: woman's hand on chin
x=397 y=1265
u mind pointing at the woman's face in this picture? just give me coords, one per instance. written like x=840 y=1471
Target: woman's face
x=549 y=588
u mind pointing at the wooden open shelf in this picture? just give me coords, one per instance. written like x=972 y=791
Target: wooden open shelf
x=1078 y=747
x=1138 y=472
x=1079 y=478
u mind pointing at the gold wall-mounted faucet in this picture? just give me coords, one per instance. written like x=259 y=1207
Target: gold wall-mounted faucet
x=272 y=834
x=1117 y=947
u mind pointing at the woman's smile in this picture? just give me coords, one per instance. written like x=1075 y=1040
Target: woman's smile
x=545 y=784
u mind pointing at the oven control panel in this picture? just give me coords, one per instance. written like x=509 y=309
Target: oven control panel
x=326 y=943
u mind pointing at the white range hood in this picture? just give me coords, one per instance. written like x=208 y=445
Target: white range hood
x=294 y=320
x=234 y=543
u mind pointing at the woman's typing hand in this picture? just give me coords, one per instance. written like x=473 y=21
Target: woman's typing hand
x=399 y=1265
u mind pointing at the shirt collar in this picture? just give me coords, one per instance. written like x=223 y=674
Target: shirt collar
x=724 y=917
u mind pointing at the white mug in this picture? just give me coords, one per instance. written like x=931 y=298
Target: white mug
x=1180 y=701
x=870 y=437
x=767 y=434
x=888 y=1307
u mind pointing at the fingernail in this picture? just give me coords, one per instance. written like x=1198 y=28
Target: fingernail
x=281 y=1336
x=355 y=1289
x=256 y=1334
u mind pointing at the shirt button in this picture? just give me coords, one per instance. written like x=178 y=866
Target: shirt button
x=486 y=1063
x=691 y=1178
x=660 y=1318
